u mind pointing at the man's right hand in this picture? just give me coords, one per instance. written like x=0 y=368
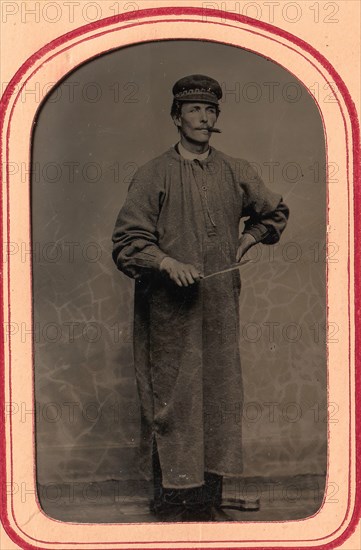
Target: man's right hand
x=181 y=274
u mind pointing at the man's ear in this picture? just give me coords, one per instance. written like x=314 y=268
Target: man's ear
x=177 y=121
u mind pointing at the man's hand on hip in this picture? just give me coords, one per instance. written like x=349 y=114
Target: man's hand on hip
x=245 y=243
x=181 y=274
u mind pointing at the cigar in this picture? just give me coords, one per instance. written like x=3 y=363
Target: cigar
x=216 y=130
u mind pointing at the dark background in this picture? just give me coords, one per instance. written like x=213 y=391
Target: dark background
x=105 y=119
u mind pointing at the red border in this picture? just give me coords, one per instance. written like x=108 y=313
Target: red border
x=357 y=193
x=10 y=117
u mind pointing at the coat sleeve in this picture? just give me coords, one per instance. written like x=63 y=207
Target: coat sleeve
x=135 y=239
x=267 y=212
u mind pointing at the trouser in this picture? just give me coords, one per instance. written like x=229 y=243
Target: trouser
x=195 y=498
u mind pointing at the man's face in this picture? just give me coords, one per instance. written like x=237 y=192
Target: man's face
x=195 y=120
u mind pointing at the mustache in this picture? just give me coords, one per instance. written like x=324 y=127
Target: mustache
x=210 y=129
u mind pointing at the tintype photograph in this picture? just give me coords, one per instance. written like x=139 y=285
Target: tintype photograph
x=178 y=218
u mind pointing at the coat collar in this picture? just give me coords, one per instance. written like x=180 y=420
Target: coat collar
x=175 y=154
x=188 y=155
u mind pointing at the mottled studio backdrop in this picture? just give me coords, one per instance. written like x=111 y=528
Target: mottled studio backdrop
x=105 y=119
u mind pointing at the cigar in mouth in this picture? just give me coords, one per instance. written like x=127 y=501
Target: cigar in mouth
x=215 y=130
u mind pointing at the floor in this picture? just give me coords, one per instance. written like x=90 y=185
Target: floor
x=283 y=498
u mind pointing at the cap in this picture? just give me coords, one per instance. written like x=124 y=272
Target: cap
x=197 y=87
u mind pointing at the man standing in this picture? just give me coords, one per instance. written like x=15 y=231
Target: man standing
x=178 y=225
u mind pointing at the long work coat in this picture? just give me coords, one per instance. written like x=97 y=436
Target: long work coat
x=186 y=339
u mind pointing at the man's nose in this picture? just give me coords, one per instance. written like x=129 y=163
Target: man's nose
x=204 y=115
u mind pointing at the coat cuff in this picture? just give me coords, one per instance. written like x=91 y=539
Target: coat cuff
x=157 y=257
x=150 y=258
x=259 y=232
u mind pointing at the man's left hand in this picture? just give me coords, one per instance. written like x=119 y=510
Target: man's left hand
x=245 y=243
